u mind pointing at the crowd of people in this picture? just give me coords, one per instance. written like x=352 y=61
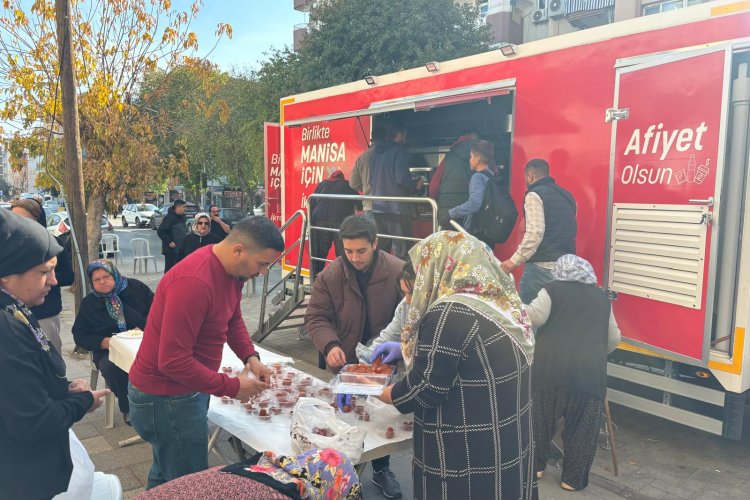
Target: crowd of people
x=445 y=308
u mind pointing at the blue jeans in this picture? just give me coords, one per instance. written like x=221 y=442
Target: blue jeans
x=533 y=279
x=177 y=429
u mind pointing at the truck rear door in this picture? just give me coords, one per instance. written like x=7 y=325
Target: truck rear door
x=667 y=154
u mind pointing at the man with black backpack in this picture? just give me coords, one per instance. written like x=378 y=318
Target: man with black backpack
x=489 y=214
x=551 y=229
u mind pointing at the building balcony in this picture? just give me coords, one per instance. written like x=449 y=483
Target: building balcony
x=299 y=34
x=303 y=5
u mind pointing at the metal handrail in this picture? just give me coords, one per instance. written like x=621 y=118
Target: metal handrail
x=300 y=242
x=401 y=199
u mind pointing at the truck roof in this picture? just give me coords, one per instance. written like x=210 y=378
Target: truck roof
x=677 y=17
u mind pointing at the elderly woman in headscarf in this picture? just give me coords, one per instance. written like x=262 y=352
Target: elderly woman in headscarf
x=200 y=236
x=115 y=304
x=576 y=331
x=468 y=347
x=38 y=404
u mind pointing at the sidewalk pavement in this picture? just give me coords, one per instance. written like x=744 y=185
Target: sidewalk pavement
x=658 y=459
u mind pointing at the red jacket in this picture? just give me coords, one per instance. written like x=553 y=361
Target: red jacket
x=196 y=310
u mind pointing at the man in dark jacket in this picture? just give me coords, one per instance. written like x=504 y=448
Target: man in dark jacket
x=390 y=176
x=48 y=313
x=352 y=300
x=449 y=187
x=330 y=213
x=172 y=231
x=551 y=229
x=219 y=228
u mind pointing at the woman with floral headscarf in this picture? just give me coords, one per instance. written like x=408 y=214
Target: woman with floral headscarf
x=115 y=304
x=468 y=347
x=576 y=330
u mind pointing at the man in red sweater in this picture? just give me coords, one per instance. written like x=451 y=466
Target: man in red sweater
x=196 y=310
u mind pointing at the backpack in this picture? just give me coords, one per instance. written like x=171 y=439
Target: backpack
x=497 y=216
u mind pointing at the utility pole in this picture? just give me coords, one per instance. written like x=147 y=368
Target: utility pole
x=72 y=138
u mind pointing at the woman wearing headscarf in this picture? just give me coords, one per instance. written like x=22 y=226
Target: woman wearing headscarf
x=199 y=237
x=48 y=313
x=316 y=474
x=576 y=331
x=38 y=404
x=115 y=304
x=468 y=347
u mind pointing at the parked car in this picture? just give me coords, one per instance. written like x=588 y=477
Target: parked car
x=260 y=209
x=5 y=205
x=138 y=214
x=58 y=224
x=158 y=216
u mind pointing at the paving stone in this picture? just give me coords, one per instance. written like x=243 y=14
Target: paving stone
x=128 y=480
x=128 y=495
x=96 y=445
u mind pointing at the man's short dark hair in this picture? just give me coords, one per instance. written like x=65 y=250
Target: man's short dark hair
x=393 y=128
x=538 y=166
x=212 y=206
x=484 y=150
x=358 y=226
x=257 y=232
x=178 y=203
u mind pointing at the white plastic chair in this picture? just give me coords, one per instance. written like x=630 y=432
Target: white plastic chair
x=109 y=400
x=110 y=245
x=141 y=253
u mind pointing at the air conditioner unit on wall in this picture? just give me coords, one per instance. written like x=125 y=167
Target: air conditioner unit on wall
x=539 y=16
x=556 y=8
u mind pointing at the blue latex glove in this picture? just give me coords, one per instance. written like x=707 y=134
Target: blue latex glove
x=344 y=400
x=391 y=352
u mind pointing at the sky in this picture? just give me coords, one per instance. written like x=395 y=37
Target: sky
x=258 y=25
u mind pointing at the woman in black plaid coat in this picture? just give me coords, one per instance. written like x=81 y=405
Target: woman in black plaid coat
x=468 y=347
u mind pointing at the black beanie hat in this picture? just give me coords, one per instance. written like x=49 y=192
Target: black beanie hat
x=23 y=244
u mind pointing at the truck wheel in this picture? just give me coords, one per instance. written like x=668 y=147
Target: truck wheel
x=124 y=221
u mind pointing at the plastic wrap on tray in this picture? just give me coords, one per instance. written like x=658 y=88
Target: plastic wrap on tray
x=362 y=379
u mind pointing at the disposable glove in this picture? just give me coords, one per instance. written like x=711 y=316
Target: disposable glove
x=391 y=352
x=344 y=401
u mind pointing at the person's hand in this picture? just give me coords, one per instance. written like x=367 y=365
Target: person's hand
x=508 y=266
x=79 y=385
x=444 y=218
x=104 y=344
x=391 y=352
x=336 y=358
x=249 y=386
x=344 y=401
x=98 y=398
x=386 y=397
x=420 y=183
x=172 y=244
x=258 y=369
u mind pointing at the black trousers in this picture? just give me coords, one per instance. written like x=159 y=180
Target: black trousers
x=170 y=259
x=582 y=414
x=116 y=378
x=396 y=225
x=320 y=243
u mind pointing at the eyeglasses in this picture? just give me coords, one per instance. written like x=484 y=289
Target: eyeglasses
x=202 y=223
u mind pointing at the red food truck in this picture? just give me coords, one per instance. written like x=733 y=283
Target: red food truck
x=646 y=122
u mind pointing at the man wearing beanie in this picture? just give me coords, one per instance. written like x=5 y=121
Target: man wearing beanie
x=48 y=313
x=38 y=405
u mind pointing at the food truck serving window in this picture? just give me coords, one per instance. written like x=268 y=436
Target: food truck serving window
x=420 y=102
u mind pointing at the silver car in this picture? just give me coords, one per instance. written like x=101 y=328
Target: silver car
x=138 y=214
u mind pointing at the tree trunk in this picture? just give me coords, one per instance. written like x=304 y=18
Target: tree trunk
x=73 y=168
x=94 y=212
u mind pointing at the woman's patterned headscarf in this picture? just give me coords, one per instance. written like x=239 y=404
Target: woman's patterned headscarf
x=571 y=267
x=459 y=267
x=318 y=474
x=111 y=299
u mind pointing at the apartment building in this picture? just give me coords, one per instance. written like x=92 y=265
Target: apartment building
x=520 y=21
